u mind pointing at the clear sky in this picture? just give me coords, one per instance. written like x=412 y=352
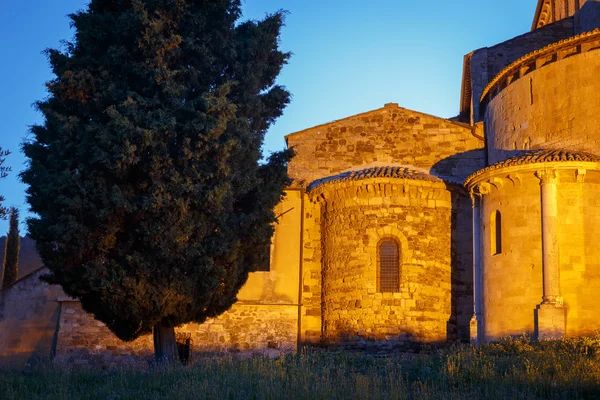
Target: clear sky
x=348 y=57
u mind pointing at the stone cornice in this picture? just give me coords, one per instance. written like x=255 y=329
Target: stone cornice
x=554 y=52
x=395 y=172
x=533 y=161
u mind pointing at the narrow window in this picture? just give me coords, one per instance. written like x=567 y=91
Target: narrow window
x=496 y=233
x=389 y=266
x=531 y=90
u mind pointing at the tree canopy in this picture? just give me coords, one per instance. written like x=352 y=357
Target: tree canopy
x=145 y=175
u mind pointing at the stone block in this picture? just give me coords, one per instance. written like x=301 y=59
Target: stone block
x=550 y=321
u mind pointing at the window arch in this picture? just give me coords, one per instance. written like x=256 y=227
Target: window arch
x=388 y=265
x=496 y=233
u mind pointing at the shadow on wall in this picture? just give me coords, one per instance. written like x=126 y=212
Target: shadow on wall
x=461 y=261
x=458 y=167
x=454 y=170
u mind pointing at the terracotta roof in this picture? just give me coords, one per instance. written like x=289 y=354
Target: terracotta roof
x=376 y=172
x=539 y=156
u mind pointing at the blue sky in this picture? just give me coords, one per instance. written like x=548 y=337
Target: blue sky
x=348 y=57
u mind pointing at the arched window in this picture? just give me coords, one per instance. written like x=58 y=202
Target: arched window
x=388 y=271
x=496 y=232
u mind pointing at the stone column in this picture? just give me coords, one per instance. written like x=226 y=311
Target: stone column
x=476 y=319
x=550 y=314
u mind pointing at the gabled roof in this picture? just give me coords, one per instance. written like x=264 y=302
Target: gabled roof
x=466 y=89
x=387 y=106
x=543 y=13
x=549 y=11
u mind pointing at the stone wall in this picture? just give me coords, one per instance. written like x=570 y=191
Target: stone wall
x=28 y=319
x=512 y=280
x=501 y=55
x=82 y=341
x=252 y=328
x=255 y=328
x=356 y=216
x=38 y=321
x=387 y=136
x=579 y=211
x=555 y=106
x=312 y=294
x=487 y=62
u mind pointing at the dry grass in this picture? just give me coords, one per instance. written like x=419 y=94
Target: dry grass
x=510 y=369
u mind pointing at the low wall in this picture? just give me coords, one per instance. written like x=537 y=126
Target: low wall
x=252 y=328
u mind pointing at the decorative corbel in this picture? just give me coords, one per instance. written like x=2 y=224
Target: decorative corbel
x=482 y=188
x=515 y=179
x=498 y=183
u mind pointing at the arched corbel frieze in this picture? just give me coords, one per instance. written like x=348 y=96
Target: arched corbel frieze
x=496 y=182
x=515 y=179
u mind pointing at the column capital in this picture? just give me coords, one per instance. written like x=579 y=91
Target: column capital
x=480 y=189
x=547 y=176
x=475 y=198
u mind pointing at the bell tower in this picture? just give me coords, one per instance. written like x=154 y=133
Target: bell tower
x=549 y=11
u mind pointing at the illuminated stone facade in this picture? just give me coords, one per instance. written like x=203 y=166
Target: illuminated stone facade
x=402 y=229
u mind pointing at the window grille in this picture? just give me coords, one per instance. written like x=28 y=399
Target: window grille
x=184 y=346
x=389 y=266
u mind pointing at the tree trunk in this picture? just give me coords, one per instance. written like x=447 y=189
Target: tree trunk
x=165 y=348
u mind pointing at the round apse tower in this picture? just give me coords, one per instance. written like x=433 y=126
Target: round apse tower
x=548 y=99
x=386 y=258
x=537 y=218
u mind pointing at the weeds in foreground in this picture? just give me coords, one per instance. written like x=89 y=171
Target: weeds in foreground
x=511 y=368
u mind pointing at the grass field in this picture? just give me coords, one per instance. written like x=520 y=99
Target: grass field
x=510 y=369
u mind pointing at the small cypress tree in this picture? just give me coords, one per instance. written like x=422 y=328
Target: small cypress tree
x=3 y=174
x=11 y=249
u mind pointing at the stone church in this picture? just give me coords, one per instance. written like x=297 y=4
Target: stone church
x=402 y=228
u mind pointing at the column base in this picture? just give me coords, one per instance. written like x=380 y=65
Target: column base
x=550 y=321
x=474 y=330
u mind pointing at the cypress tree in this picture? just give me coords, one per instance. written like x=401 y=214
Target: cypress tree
x=11 y=249
x=3 y=174
x=145 y=174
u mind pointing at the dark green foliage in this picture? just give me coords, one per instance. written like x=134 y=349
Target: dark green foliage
x=3 y=174
x=11 y=249
x=145 y=173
